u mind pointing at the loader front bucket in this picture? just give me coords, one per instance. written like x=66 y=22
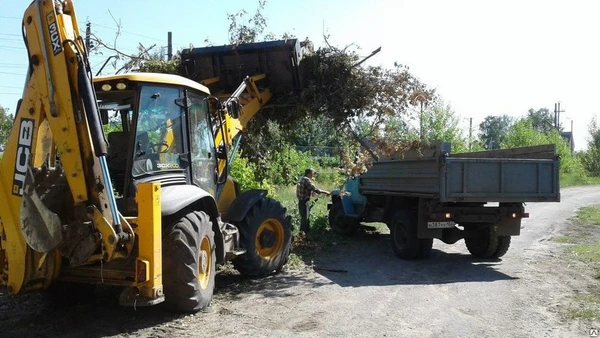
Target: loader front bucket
x=223 y=68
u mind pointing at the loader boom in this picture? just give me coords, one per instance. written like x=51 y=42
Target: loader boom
x=53 y=174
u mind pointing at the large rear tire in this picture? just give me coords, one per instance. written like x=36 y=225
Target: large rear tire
x=486 y=244
x=339 y=222
x=266 y=234
x=189 y=262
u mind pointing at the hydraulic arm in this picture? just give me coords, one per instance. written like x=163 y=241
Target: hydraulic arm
x=54 y=177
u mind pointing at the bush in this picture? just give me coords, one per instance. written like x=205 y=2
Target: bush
x=244 y=173
x=288 y=166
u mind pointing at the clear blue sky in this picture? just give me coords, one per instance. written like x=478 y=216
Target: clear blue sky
x=483 y=57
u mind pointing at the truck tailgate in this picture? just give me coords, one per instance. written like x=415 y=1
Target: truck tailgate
x=499 y=180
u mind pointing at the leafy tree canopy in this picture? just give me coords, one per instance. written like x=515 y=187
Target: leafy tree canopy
x=493 y=130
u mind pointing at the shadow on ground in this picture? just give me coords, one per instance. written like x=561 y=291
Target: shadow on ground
x=368 y=260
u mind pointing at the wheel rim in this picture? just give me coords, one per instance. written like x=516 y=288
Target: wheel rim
x=269 y=238
x=205 y=263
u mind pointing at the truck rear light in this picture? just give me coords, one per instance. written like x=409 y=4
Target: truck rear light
x=519 y=215
x=441 y=216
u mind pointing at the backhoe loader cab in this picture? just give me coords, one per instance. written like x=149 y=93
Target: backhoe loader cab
x=163 y=129
x=159 y=130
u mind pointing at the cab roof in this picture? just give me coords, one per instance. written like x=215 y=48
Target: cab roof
x=155 y=78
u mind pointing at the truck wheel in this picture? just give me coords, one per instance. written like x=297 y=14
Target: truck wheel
x=339 y=222
x=189 y=262
x=486 y=244
x=503 y=245
x=266 y=234
x=403 y=233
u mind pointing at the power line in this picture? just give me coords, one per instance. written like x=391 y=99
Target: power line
x=10 y=87
x=12 y=47
x=126 y=32
x=122 y=31
x=22 y=74
x=12 y=64
x=9 y=17
x=9 y=34
x=1 y=93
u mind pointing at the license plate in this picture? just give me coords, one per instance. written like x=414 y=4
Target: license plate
x=440 y=225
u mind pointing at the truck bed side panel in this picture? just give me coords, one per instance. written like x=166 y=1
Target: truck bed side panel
x=466 y=179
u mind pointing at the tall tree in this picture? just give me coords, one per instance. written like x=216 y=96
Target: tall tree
x=6 y=122
x=441 y=123
x=591 y=157
x=542 y=120
x=493 y=130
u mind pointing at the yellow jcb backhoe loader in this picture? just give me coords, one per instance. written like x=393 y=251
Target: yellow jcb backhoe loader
x=141 y=213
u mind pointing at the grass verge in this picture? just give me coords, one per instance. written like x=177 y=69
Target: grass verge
x=585 y=250
x=571 y=180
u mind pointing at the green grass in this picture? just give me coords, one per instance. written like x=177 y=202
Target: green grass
x=563 y=239
x=576 y=179
x=588 y=308
x=588 y=215
x=589 y=253
x=588 y=218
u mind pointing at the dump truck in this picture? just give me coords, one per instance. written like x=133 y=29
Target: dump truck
x=149 y=206
x=426 y=194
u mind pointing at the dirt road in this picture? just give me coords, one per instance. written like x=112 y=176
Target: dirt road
x=359 y=289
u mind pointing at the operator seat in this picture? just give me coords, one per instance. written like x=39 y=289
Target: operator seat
x=117 y=155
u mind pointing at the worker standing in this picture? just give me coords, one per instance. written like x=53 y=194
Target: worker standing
x=304 y=190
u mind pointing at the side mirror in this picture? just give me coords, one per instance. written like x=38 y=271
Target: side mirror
x=214 y=105
x=233 y=109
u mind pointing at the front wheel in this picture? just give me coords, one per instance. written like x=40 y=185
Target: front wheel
x=339 y=222
x=189 y=262
x=266 y=234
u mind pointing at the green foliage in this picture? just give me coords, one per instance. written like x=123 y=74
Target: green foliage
x=161 y=66
x=288 y=165
x=577 y=179
x=493 y=130
x=523 y=134
x=542 y=120
x=439 y=122
x=244 y=173
x=591 y=158
x=6 y=122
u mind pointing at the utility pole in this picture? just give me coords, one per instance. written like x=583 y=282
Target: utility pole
x=470 y=132
x=88 y=36
x=557 y=112
x=170 y=46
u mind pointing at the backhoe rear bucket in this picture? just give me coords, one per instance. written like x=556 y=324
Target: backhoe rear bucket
x=279 y=60
x=41 y=227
